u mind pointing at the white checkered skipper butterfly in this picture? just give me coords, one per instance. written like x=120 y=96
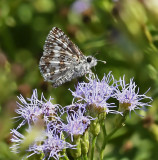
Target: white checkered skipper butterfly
x=62 y=60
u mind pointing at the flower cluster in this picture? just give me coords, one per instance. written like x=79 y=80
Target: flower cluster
x=49 y=140
x=32 y=109
x=96 y=93
x=51 y=134
x=77 y=121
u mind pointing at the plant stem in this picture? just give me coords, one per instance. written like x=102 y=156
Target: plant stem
x=119 y=121
x=85 y=157
x=106 y=139
x=93 y=146
x=65 y=157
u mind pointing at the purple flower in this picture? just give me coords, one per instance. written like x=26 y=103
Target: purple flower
x=80 y=6
x=50 y=146
x=49 y=143
x=34 y=109
x=77 y=122
x=129 y=97
x=96 y=93
x=17 y=139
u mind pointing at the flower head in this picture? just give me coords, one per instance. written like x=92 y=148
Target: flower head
x=49 y=143
x=33 y=109
x=129 y=97
x=50 y=146
x=77 y=122
x=96 y=93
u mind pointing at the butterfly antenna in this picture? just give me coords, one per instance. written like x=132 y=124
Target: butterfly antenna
x=96 y=53
x=99 y=60
x=102 y=61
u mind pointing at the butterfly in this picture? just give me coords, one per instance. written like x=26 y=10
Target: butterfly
x=62 y=60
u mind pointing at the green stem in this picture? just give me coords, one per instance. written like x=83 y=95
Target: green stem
x=106 y=140
x=93 y=146
x=118 y=123
x=85 y=157
x=65 y=157
x=104 y=129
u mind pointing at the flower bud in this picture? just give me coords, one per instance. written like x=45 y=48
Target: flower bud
x=76 y=153
x=85 y=143
x=95 y=127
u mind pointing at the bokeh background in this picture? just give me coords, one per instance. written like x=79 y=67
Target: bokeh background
x=124 y=33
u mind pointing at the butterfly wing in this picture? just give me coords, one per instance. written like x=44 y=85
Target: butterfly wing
x=58 y=56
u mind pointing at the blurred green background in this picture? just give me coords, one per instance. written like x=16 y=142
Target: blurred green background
x=123 y=33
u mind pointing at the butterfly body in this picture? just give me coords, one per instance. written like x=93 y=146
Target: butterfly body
x=62 y=60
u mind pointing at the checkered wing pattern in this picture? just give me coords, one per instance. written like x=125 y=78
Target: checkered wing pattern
x=59 y=56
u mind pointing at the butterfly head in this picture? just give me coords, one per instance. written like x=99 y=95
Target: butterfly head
x=91 y=61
